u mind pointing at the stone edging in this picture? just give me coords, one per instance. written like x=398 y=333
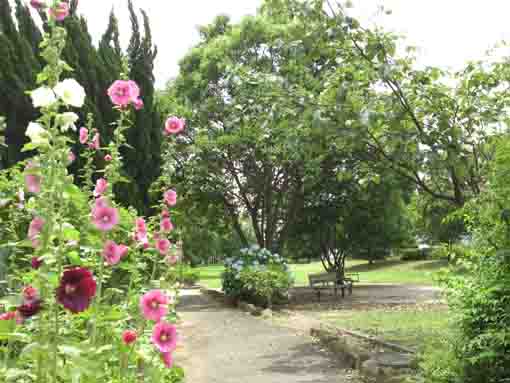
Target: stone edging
x=375 y=359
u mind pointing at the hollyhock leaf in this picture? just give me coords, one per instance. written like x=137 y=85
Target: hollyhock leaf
x=74 y=258
x=70 y=234
x=70 y=350
x=29 y=147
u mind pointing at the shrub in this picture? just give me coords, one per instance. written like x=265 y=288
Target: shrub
x=257 y=276
x=187 y=275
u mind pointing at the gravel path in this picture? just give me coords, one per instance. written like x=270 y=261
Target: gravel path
x=225 y=345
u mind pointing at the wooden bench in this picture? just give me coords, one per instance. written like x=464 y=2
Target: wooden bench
x=328 y=281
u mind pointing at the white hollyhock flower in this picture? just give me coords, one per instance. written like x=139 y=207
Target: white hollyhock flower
x=43 y=97
x=37 y=134
x=70 y=92
x=67 y=121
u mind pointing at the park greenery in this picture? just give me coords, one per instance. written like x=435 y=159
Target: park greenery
x=302 y=135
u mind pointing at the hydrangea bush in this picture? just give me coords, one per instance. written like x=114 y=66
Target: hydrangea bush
x=80 y=310
x=258 y=276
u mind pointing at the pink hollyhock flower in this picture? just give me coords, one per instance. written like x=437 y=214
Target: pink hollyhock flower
x=129 y=337
x=101 y=186
x=101 y=202
x=60 y=12
x=84 y=135
x=154 y=305
x=96 y=142
x=76 y=289
x=163 y=245
x=108 y=158
x=138 y=104
x=165 y=214
x=122 y=93
x=112 y=253
x=34 y=229
x=30 y=293
x=8 y=315
x=21 y=195
x=33 y=183
x=71 y=157
x=174 y=125
x=172 y=259
x=123 y=250
x=105 y=218
x=141 y=226
x=170 y=197
x=37 y=4
x=142 y=238
x=164 y=337
x=36 y=263
x=168 y=359
x=166 y=225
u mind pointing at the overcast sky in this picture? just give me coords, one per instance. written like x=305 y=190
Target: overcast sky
x=448 y=32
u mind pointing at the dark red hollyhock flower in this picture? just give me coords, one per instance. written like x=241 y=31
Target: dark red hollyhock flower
x=76 y=290
x=30 y=308
x=36 y=263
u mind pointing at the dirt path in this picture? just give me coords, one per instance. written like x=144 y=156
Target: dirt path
x=225 y=345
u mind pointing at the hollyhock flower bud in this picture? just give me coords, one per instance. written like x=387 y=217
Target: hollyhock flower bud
x=129 y=337
x=71 y=157
x=38 y=4
x=36 y=263
x=60 y=12
x=138 y=104
x=141 y=226
x=30 y=293
x=32 y=181
x=101 y=187
x=8 y=315
x=170 y=197
x=34 y=229
x=172 y=259
x=108 y=158
x=84 y=135
x=174 y=125
x=95 y=144
x=165 y=214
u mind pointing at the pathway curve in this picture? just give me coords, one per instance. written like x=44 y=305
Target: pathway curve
x=224 y=345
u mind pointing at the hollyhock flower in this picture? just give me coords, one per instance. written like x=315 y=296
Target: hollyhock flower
x=29 y=308
x=166 y=225
x=123 y=93
x=76 y=289
x=129 y=337
x=123 y=250
x=8 y=315
x=70 y=92
x=105 y=218
x=154 y=305
x=108 y=158
x=165 y=214
x=174 y=125
x=67 y=121
x=30 y=294
x=95 y=144
x=84 y=135
x=71 y=157
x=172 y=259
x=34 y=229
x=21 y=195
x=33 y=183
x=38 y=4
x=163 y=245
x=37 y=134
x=170 y=197
x=164 y=337
x=43 y=97
x=36 y=263
x=138 y=104
x=141 y=226
x=111 y=253
x=168 y=359
x=101 y=202
x=101 y=187
x=60 y=12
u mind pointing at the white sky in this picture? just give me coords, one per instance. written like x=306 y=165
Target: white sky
x=448 y=32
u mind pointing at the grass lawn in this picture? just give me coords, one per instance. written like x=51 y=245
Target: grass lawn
x=388 y=271
x=410 y=326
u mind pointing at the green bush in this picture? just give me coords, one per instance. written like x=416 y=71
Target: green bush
x=257 y=276
x=438 y=360
x=187 y=275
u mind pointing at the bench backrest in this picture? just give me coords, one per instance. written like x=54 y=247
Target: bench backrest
x=324 y=277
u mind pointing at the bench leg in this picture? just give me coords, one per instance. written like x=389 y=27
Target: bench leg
x=319 y=295
x=350 y=290
x=343 y=292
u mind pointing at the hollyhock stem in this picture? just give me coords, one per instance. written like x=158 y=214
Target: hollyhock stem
x=98 y=296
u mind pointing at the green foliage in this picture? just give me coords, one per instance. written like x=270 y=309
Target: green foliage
x=265 y=287
x=187 y=275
